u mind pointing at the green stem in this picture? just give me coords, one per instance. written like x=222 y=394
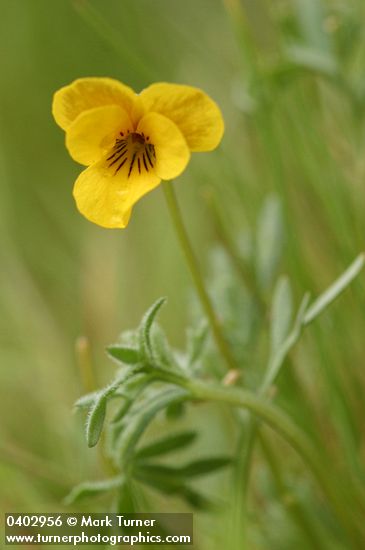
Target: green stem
x=294 y=436
x=196 y=275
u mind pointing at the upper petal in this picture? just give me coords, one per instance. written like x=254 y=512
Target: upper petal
x=193 y=111
x=170 y=148
x=94 y=132
x=87 y=93
x=106 y=197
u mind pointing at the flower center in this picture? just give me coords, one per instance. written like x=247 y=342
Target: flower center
x=132 y=151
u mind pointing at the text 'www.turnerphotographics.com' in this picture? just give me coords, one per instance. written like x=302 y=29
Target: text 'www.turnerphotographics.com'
x=112 y=529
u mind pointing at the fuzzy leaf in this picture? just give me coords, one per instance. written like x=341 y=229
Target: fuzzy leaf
x=96 y=417
x=166 y=445
x=142 y=418
x=92 y=488
x=325 y=299
x=86 y=401
x=159 y=343
x=269 y=241
x=281 y=313
x=144 y=330
x=95 y=420
x=133 y=390
x=124 y=354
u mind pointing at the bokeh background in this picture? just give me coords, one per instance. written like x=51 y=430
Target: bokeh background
x=289 y=76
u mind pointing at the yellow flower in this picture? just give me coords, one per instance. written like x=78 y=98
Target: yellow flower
x=130 y=142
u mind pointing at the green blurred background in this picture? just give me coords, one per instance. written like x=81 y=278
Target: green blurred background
x=289 y=77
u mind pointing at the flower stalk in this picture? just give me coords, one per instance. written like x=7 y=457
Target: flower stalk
x=192 y=264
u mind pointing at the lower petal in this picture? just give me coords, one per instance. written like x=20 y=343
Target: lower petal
x=106 y=198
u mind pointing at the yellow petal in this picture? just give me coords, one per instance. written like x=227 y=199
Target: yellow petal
x=87 y=93
x=94 y=132
x=171 y=151
x=193 y=111
x=106 y=197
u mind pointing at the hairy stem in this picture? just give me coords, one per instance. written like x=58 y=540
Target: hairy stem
x=192 y=263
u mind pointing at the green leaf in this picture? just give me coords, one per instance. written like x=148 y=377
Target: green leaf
x=277 y=359
x=161 y=348
x=133 y=389
x=87 y=400
x=196 y=500
x=204 y=466
x=164 y=480
x=281 y=313
x=141 y=419
x=92 y=488
x=269 y=241
x=325 y=299
x=166 y=445
x=160 y=477
x=96 y=417
x=124 y=354
x=95 y=420
x=193 y=469
x=127 y=498
x=175 y=411
x=144 y=330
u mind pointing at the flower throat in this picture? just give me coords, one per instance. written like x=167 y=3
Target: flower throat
x=134 y=151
